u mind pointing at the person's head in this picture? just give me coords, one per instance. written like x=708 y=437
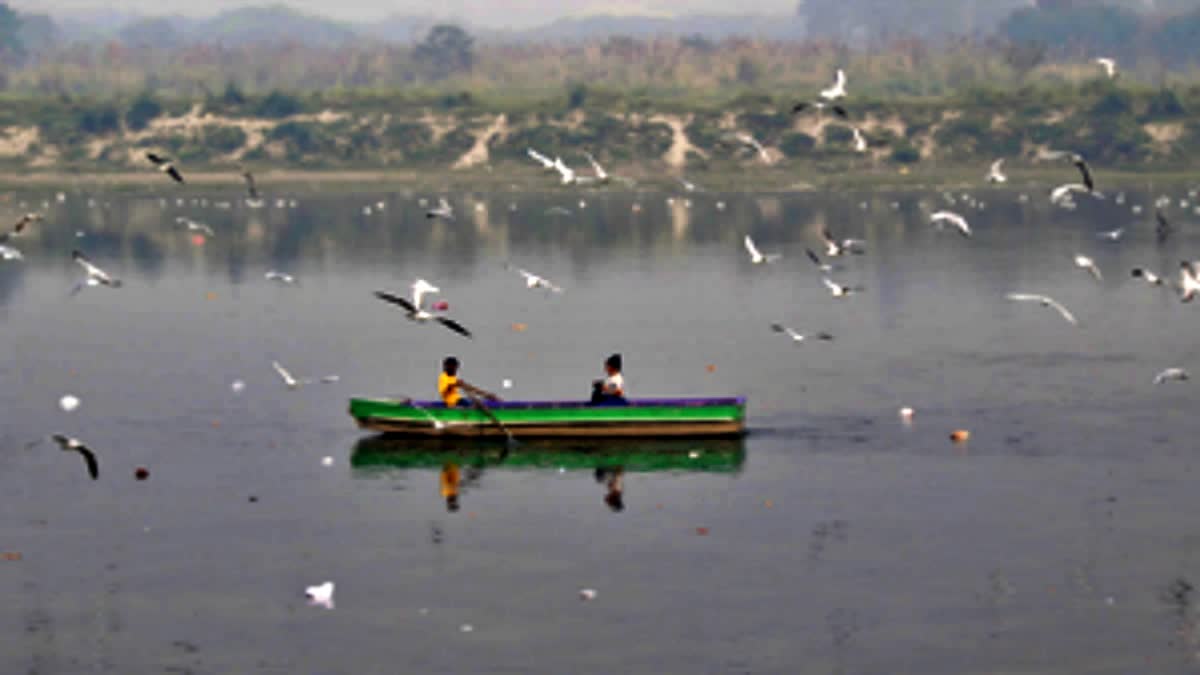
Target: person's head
x=613 y=364
x=450 y=366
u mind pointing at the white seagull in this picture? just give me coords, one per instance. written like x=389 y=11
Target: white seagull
x=1084 y=262
x=415 y=311
x=751 y=142
x=687 y=185
x=292 y=383
x=959 y=222
x=1044 y=301
x=601 y=175
x=860 y=142
x=1112 y=235
x=797 y=337
x=281 y=277
x=320 y=596
x=1148 y=276
x=840 y=291
x=758 y=258
x=1189 y=285
x=1109 y=65
x=546 y=162
x=442 y=210
x=95 y=275
x=533 y=281
x=10 y=253
x=193 y=226
x=1176 y=374
x=838 y=90
x=835 y=247
x=566 y=173
x=996 y=172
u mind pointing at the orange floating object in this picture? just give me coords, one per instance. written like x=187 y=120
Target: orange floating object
x=210 y=296
x=520 y=327
x=960 y=436
x=12 y=557
x=198 y=240
x=712 y=368
x=702 y=531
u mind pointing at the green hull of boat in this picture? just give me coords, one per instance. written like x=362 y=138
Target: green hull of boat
x=653 y=418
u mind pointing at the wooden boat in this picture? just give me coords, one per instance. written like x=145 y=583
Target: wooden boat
x=383 y=455
x=644 y=418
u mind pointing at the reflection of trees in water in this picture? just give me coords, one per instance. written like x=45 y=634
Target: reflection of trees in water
x=142 y=231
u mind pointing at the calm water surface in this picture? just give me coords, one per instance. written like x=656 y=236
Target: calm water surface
x=833 y=539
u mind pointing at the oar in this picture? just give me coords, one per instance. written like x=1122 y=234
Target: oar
x=474 y=394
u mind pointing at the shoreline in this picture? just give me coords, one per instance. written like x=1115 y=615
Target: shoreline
x=509 y=178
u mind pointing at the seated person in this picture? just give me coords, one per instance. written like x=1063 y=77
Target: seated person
x=610 y=390
x=449 y=388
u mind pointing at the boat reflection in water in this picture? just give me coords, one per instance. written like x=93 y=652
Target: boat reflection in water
x=462 y=462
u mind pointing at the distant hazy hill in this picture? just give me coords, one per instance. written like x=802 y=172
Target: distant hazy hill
x=714 y=27
x=271 y=24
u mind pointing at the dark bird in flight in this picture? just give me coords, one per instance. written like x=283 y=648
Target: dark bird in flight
x=165 y=165
x=19 y=228
x=68 y=444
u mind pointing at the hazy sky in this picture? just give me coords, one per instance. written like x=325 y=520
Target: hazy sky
x=491 y=12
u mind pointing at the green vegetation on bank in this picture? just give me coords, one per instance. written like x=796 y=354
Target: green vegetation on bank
x=1113 y=124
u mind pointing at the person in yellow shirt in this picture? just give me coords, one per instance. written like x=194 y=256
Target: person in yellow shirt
x=449 y=387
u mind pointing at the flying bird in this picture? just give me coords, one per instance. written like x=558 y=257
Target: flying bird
x=19 y=227
x=688 y=185
x=9 y=253
x=797 y=337
x=996 y=172
x=567 y=175
x=1189 y=285
x=95 y=275
x=1175 y=374
x=860 y=142
x=752 y=143
x=1084 y=171
x=838 y=89
x=533 y=281
x=821 y=265
x=165 y=165
x=758 y=258
x=820 y=106
x=1109 y=65
x=442 y=210
x=1044 y=301
x=251 y=186
x=941 y=217
x=546 y=162
x=193 y=226
x=838 y=290
x=601 y=175
x=415 y=311
x=1148 y=276
x=1162 y=230
x=1112 y=235
x=281 y=277
x=835 y=247
x=68 y=444
x=320 y=596
x=1061 y=195
x=1084 y=262
x=293 y=383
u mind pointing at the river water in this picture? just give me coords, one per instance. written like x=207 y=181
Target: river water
x=833 y=539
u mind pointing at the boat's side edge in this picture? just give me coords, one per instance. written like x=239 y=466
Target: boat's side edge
x=658 y=429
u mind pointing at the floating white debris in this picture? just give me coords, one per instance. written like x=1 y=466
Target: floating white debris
x=694 y=454
x=507 y=384
x=586 y=594
x=327 y=461
x=466 y=628
x=238 y=386
x=68 y=403
x=906 y=415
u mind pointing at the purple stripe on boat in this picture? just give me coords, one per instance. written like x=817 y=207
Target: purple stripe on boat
x=633 y=403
